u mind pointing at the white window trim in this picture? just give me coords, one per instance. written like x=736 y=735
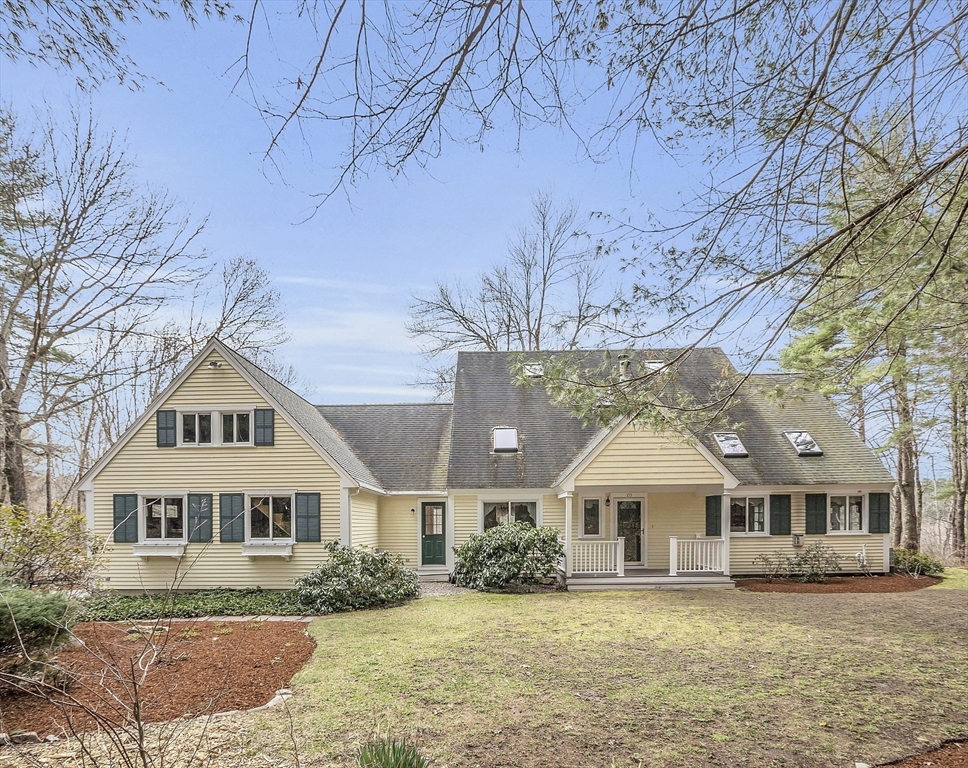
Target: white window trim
x=257 y=545
x=160 y=547
x=601 y=517
x=864 y=512
x=216 y=412
x=766 y=515
x=522 y=498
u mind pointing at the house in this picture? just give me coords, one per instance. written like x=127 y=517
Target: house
x=231 y=479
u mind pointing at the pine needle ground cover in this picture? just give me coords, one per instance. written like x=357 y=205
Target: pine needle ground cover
x=641 y=679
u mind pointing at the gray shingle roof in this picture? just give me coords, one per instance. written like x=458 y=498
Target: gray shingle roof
x=405 y=446
x=433 y=446
x=762 y=417
x=306 y=416
x=485 y=396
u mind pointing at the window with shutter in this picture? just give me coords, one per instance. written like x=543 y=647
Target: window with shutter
x=714 y=515
x=126 y=518
x=231 y=517
x=880 y=512
x=816 y=504
x=780 y=515
x=165 y=422
x=264 y=426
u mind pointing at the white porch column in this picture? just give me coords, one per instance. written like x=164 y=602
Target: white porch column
x=725 y=523
x=673 y=555
x=567 y=496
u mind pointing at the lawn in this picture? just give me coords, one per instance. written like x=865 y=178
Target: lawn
x=640 y=679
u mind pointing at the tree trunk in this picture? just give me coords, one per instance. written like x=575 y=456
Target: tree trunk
x=15 y=476
x=907 y=456
x=958 y=509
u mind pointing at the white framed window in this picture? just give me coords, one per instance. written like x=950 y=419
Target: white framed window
x=270 y=518
x=748 y=514
x=845 y=513
x=591 y=518
x=215 y=426
x=236 y=428
x=497 y=513
x=196 y=428
x=163 y=518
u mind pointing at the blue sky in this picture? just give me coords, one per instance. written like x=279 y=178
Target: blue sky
x=347 y=273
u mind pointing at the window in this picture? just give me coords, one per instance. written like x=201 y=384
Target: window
x=270 y=518
x=591 y=524
x=197 y=428
x=805 y=445
x=533 y=370
x=846 y=513
x=500 y=512
x=505 y=440
x=730 y=444
x=164 y=518
x=235 y=428
x=747 y=515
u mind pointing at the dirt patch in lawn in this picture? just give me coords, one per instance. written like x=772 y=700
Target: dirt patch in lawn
x=896 y=582
x=953 y=755
x=193 y=668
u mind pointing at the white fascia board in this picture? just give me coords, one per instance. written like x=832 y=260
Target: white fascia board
x=729 y=479
x=845 y=488
x=499 y=491
x=437 y=493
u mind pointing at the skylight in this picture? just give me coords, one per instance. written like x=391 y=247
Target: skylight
x=805 y=445
x=652 y=365
x=730 y=444
x=533 y=370
x=505 y=440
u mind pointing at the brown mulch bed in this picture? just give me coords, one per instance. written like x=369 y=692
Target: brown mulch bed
x=896 y=582
x=951 y=755
x=200 y=667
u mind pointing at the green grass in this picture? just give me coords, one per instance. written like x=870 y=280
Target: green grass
x=641 y=678
x=954 y=578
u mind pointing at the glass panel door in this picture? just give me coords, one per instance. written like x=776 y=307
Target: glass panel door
x=630 y=527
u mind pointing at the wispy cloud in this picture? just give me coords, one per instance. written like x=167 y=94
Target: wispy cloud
x=364 y=287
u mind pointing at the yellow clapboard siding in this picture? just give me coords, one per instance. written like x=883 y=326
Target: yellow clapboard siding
x=364 y=522
x=553 y=512
x=743 y=550
x=399 y=528
x=641 y=457
x=672 y=514
x=289 y=465
x=465 y=518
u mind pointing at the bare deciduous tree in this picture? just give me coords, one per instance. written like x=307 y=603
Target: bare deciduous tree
x=547 y=294
x=92 y=266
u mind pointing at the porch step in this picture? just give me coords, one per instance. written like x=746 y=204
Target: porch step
x=433 y=574
x=603 y=583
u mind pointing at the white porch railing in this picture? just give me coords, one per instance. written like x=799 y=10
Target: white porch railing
x=695 y=555
x=598 y=557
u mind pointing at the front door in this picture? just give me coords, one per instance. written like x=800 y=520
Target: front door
x=630 y=528
x=433 y=550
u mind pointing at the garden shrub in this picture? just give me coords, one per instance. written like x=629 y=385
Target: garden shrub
x=513 y=554
x=40 y=550
x=31 y=620
x=916 y=563
x=384 y=752
x=775 y=566
x=814 y=562
x=354 y=578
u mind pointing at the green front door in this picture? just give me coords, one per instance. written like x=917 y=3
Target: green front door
x=433 y=551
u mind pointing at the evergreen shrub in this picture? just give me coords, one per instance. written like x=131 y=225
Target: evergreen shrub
x=355 y=578
x=31 y=620
x=512 y=554
x=916 y=564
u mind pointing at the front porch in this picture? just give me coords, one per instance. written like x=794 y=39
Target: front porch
x=641 y=537
x=694 y=563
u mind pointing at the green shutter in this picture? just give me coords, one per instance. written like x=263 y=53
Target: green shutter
x=307 y=517
x=780 y=515
x=199 y=517
x=125 y=518
x=879 y=515
x=165 y=425
x=264 y=426
x=231 y=517
x=816 y=512
x=714 y=515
